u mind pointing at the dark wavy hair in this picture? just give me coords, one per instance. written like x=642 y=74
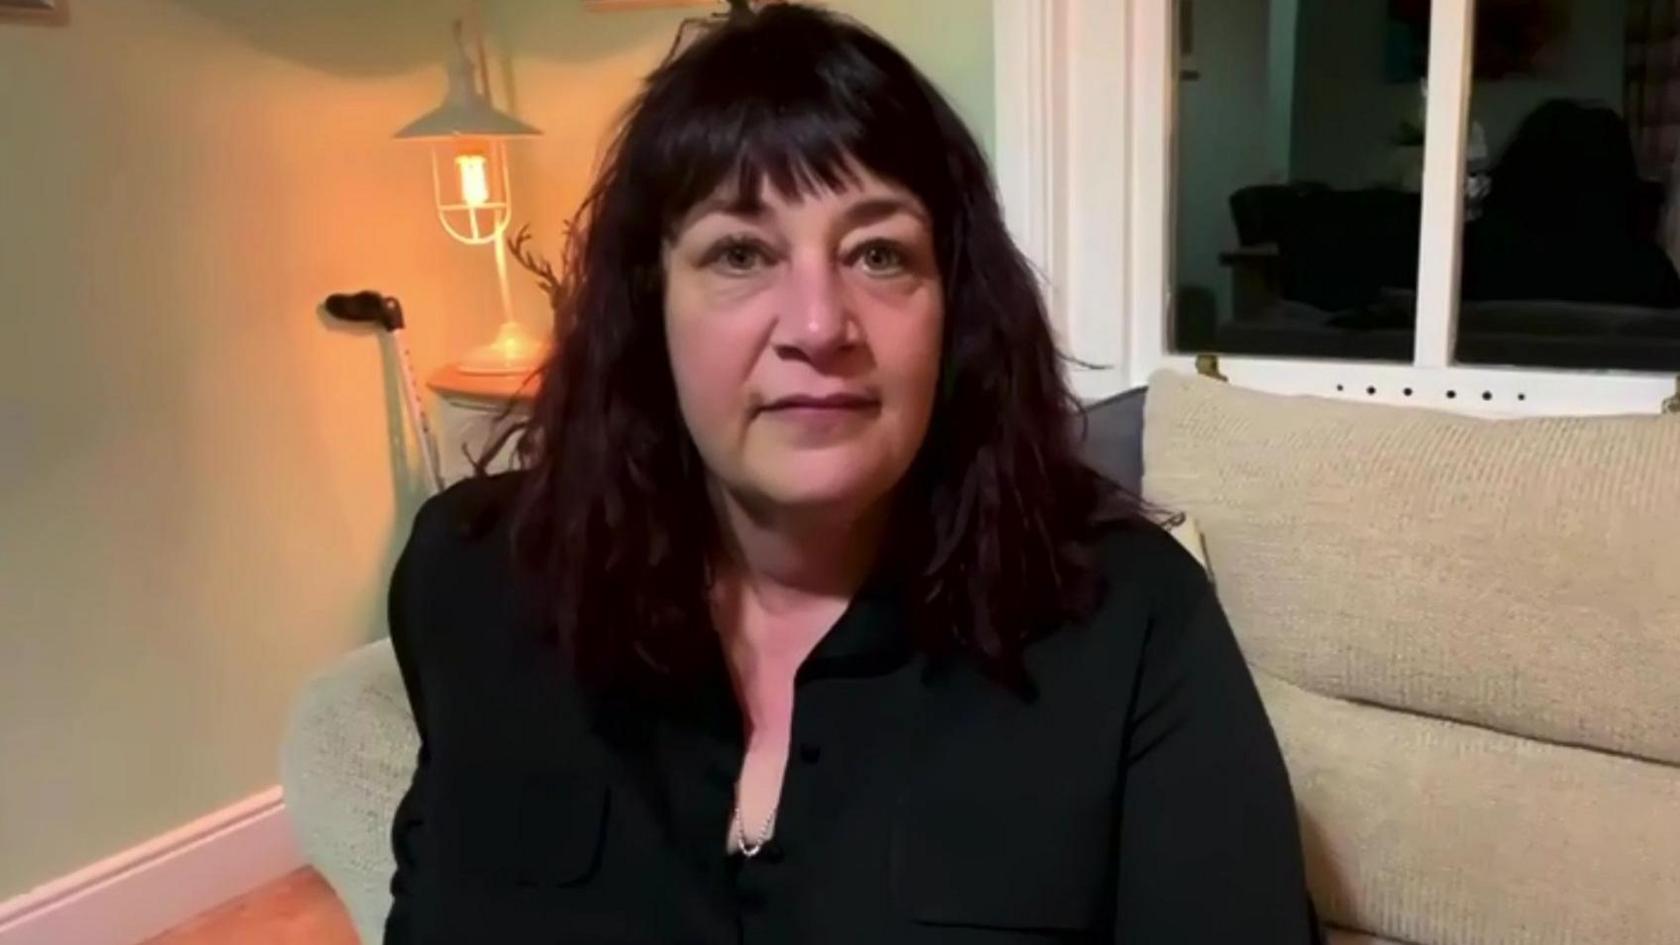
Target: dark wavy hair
x=993 y=526
x=1570 y=166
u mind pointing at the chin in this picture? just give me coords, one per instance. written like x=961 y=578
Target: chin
x=825 y=485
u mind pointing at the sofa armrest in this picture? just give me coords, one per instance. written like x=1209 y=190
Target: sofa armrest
x=348 y=755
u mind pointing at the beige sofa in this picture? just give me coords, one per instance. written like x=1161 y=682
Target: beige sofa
x=1467 y=633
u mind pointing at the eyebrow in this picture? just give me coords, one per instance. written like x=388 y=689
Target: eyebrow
x=876 y=209
x=748 y=206
x=863 y=213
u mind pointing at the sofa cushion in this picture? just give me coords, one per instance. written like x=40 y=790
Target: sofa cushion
x=1441 y=833
x=1339 y=937
x=1518 y=574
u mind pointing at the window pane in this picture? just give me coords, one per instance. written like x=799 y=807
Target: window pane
x=1299 y=161
x=1571 y=234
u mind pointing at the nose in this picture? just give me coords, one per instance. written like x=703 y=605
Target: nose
x=815 y=324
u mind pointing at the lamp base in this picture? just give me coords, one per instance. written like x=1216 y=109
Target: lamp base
x=516 y=350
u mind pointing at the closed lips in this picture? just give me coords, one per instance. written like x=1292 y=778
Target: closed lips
x=826 y=402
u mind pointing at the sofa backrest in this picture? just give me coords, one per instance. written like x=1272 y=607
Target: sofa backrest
x=1468 y=635
x=1111 y=437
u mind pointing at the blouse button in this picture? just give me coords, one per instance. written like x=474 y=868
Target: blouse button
x=809 y=752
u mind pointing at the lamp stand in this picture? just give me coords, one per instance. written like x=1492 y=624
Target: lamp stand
x=517 y=349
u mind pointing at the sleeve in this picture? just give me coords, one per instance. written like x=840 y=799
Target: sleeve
x=1209 y=848
x=408 y=825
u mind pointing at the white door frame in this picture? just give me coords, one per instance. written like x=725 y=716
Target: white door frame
x=1062 y=140
x=1085 y=98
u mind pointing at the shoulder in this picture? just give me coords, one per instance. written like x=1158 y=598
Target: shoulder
x=474 y=512
x=473 y=648
x=1155 y=595
x=1141 y=562
x=456 y=568
x=1152 y=599
x=1169 y=611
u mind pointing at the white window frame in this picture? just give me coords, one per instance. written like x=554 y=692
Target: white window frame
x=1085 y=94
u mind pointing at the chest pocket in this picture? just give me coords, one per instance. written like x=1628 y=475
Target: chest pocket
x=530 y=828
x=1004 y=859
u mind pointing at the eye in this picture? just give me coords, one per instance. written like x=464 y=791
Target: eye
x=881 y=258
x=736 y=256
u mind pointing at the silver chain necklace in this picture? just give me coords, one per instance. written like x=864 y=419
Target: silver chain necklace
x=750 y=850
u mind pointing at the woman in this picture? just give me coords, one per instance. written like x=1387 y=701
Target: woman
x=1568 y=218
x=804 y=622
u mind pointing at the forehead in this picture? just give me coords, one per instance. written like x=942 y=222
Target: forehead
x=758 y=196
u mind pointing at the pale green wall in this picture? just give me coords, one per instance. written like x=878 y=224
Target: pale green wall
x=951 y=40
x=198 y=496
x=1284 y=17
x=1346 y=112
x=1222 y=147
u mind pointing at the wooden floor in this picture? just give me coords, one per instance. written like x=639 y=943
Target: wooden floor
x=299 y=909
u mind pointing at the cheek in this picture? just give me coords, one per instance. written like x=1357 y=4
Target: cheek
x=906 y=340
x=710 y=348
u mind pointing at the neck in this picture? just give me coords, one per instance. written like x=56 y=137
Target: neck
x=786 y=556
x=784 y=577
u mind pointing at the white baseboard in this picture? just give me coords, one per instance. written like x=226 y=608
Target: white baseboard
x=130 y=897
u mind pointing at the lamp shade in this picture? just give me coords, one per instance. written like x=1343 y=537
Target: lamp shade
x=465 y=112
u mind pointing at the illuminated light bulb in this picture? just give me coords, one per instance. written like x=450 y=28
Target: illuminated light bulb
x=475 y=179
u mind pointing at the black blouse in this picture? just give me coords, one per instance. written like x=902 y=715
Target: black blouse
x=1140 y=799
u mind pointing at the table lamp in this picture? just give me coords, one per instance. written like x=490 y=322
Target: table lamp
x=472 y=193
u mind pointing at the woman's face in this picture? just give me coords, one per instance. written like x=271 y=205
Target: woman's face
x=804 y=339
